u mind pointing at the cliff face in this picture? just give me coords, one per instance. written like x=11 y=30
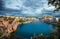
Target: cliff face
x=8 y=27
x=5 y=23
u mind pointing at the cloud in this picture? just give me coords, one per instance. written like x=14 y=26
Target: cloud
x=31 y=11
x=13 y=4
x=46 y=7
x=28 y=10
x=38 y=10
x=30 y=7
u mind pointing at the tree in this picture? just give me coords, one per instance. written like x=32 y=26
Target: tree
x=55 y=3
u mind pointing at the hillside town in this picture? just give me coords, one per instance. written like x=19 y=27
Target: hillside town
x=50 y=19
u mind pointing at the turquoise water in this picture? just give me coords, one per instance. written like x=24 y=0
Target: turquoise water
x=28 y=30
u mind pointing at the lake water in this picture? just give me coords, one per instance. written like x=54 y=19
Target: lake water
x=28 y=30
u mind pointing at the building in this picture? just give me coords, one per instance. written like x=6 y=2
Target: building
x=57 y=19
x=47 y=17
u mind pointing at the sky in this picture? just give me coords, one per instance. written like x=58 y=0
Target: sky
x=30 y=7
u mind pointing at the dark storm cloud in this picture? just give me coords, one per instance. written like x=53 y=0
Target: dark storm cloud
x=27 y=7
x=1 y=4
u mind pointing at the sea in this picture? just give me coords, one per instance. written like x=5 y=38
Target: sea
x=28 y=30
